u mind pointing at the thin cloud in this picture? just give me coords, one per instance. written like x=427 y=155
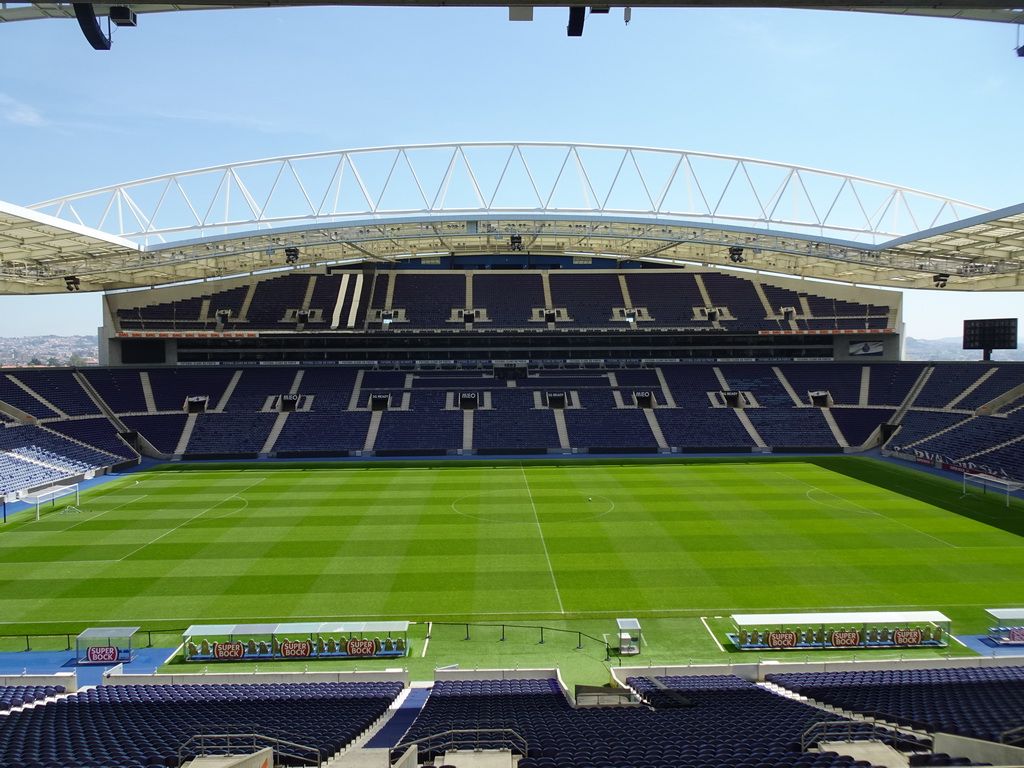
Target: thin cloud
x=239 y=121
x=19 y=113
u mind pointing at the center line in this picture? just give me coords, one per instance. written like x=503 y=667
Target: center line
x=543 y=543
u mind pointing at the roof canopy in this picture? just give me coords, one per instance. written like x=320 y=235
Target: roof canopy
x=298 y=628
x=1006 y=614
x=980 y=10
x=107 y=633
x=892 y=618
x=616 y=202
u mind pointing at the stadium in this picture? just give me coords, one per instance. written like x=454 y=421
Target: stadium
x=539 y=454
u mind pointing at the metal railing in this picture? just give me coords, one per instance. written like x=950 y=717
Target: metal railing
x=247 y=739
x=844 y=730
x=1013 y=736
x=475 y=739
x=541 y=629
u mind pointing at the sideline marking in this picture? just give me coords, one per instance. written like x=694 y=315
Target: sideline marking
x=198 y=514
x=378 y=616
x=703 y=620
x=426 y=640
x=863 y=509
x=543 y=543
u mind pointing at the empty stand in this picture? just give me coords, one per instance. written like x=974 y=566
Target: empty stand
x=980 y=703
x=589 y=298
x=143 y=726
x=731 y=723
x=121 y=389
x=689 y=410
x=59 y=385
x=96 y=432
x=32 y=456
x=508 y=298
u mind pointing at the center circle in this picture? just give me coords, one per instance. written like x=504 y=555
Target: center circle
x=523 y=506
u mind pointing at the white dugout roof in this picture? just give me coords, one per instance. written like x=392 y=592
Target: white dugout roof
x=890 y=618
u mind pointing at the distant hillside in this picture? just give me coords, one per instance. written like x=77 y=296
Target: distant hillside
x=48 y=350
x=951 y=349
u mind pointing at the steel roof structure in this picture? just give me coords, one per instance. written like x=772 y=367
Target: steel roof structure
x=586 y=200
x=975 y=10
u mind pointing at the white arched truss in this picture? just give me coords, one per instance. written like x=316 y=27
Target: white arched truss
x=580 y=200
x=503 y=179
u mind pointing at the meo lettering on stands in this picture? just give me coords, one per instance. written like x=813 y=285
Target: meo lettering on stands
x=361 y=647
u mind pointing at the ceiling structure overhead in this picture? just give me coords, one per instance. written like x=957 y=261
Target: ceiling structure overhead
x=95 y=19
x=583 y=200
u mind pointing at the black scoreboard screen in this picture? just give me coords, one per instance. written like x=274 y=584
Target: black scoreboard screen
x=991 y=334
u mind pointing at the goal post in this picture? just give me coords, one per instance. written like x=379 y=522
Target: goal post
x=51 y=495
x=983 y=481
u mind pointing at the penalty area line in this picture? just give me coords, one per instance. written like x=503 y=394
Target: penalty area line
x=864 y=509
x=197 y=515
x=100 y=514
x=703 y=620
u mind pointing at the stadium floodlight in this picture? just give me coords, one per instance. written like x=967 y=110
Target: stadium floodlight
x=123 y=16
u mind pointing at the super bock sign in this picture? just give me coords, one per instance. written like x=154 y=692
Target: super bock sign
x=228 y=650
x=296 y=649
x=358 y=647
x=781 y=639
x=102 y=654
x=845 y=638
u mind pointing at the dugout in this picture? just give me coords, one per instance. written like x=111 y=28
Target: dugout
x=1006 y=625
x=630 y=636
x=296 y=641
x=823 y=631
x=105 y=645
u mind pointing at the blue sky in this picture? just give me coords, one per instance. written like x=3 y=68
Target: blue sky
x=933 y=104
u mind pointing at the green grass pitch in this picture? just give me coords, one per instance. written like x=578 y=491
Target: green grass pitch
x=514 y=541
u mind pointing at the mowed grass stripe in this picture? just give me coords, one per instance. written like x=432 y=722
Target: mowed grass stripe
x=467 y=541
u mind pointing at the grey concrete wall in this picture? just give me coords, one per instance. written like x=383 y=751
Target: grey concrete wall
x=979 y=751
x=67 y=679
x=400 y=676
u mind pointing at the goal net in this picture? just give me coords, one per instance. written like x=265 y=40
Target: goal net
x=984 y=482
x=51 y=495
